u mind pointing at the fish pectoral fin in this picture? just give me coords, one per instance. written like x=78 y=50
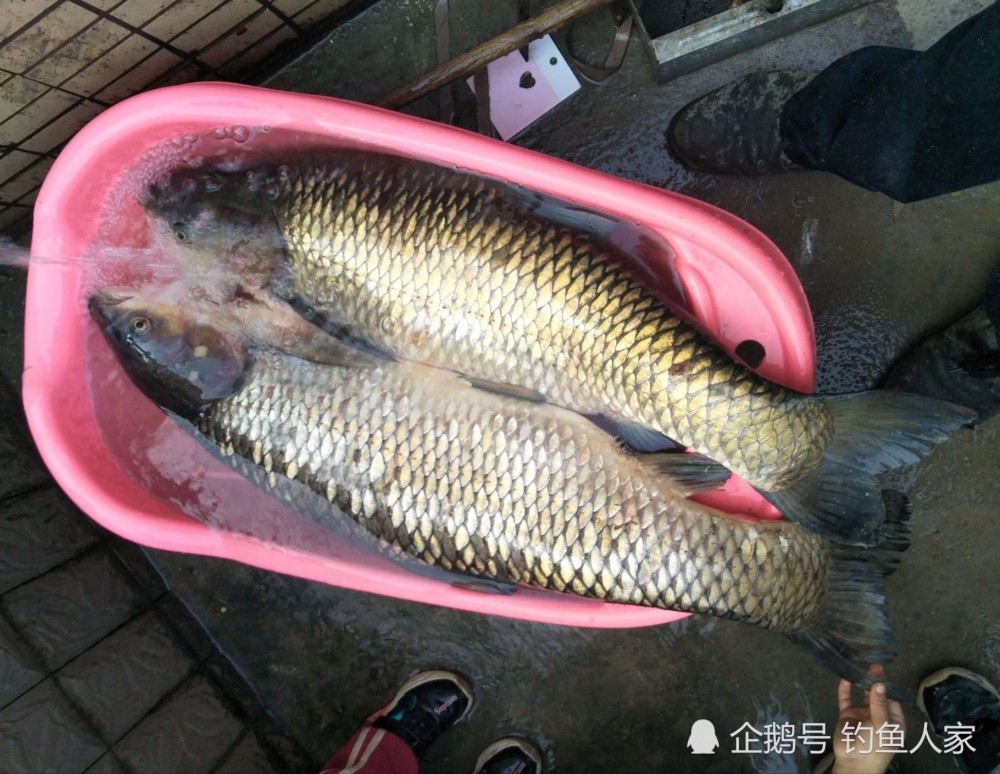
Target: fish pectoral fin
x=645 y=439
x=324 y=325
x=327 y=350
x=692 y=472
x=272 y=323
x=306 y=311
x=502 y=388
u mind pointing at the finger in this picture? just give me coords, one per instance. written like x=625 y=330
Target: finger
x=879 y=705
x=844 y=695
x=877 y=673
x=896 y=714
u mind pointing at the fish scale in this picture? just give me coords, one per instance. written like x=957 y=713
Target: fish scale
x=518 y=300
x=590 y=519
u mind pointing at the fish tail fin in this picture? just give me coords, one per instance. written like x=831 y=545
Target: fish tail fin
x=872 y=432
x=850 y=630
x=881 y=429
x=896 y=529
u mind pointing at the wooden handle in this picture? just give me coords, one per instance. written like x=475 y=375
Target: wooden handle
x=468 y=62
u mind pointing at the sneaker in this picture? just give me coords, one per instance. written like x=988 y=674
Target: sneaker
x=510 y=755
x=426 y=705
x=735 y=129
x=960 y=364
x=955 y=696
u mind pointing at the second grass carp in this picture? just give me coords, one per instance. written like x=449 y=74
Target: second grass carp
x=500 y=487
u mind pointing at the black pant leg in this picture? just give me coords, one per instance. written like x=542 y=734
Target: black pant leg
x=909 y=124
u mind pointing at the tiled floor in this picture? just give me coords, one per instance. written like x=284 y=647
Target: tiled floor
x=101 y=668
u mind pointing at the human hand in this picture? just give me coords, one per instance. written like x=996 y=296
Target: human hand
x=859 y=751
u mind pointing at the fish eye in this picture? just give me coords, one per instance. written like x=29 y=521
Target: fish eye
x=182 y=232
x=140 y=325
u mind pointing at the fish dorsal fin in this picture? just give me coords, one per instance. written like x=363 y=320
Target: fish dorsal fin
x=504 y=389
x=472 y=582
x=554 y=210
x=692 y=472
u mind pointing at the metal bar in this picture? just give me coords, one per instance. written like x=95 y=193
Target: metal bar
x=739 y=29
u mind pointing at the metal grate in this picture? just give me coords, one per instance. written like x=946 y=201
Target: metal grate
x=63 y=62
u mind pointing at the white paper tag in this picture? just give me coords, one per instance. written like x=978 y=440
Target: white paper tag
x=521 y=92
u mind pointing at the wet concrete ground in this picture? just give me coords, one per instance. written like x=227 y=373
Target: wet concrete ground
x=878 y=277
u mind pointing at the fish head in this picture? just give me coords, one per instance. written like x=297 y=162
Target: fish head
x=217 y=217
x=182 y=355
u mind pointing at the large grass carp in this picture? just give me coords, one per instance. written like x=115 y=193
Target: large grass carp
x=474 y=481
x=475 y=275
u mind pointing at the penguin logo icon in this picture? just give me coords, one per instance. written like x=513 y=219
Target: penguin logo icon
x=703 y=740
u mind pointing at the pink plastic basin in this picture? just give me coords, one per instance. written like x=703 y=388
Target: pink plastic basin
x=137 y=473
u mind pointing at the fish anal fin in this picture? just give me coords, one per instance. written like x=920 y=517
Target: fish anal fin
x=691 y=472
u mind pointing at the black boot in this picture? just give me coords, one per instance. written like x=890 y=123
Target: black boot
x=736 y=129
